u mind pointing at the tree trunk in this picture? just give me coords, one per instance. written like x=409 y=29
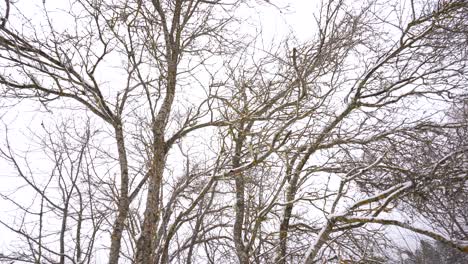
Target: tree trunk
x=241 y=249
x=284 y=226
x=152 y=212
x=124 y=203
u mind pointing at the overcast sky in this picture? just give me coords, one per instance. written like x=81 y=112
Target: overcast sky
x=276 y=22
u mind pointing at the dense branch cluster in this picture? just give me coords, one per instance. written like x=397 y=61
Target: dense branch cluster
x=169 y=134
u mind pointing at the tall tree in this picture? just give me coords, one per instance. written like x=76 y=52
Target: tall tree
x=169 y=135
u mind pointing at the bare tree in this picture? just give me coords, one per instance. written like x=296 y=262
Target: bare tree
x=69 y=206
x=151 y=39
x=199 y=146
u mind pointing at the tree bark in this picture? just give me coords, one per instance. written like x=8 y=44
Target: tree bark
x=124 y=203
x=241 y=249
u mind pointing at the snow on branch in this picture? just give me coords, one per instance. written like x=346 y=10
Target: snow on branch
x=459 y=244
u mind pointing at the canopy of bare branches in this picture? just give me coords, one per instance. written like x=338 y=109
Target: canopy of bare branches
x=174 y=131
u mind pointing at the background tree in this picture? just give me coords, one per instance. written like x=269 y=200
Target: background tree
x=435 y=252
